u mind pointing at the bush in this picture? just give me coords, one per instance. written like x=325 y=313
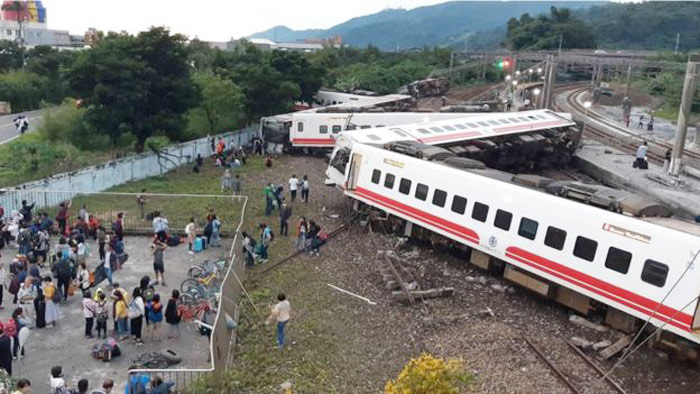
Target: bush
x=23 y=89
x=429 y=375
x=66 y=123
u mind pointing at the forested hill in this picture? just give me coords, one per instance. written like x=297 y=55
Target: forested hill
x=431 y=25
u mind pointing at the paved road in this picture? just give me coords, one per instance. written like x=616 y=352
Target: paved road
x=8 y=131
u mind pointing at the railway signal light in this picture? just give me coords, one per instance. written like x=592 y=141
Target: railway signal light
x=503 y=64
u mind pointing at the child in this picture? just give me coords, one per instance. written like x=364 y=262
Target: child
x=101 y=314
x=172 y=316
x=158 y=264
x=155 y=315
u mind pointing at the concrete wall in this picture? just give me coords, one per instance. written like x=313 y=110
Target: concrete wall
x=106 y=175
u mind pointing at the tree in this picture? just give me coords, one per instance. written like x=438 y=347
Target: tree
x=23 y=89
x=296 y=67
x=11 y=56
x=220 y=98
x=545 y=32
x=51 y=63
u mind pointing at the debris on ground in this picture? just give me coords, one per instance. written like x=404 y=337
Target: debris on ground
x=580 y=321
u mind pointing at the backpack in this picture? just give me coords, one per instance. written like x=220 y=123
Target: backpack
x=14 y=285
x=149 y=293
x=272 y=234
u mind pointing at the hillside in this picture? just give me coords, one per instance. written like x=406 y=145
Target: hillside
x=423 y=26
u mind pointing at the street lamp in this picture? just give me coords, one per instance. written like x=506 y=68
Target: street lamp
x=517 y=72
x=508 y=77
x=586 y=105
x=536 y=92
x=539 y=70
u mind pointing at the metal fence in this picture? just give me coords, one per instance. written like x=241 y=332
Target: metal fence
x=103 y=176
x=223 y=336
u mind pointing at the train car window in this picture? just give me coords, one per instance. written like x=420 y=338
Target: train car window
x=437 y=129
x=503 y=219
x=336 y=129
x=380 y=125
x=514 y=120
x=351 y=127
x=618 y=260
x=399 y=132
x=373 y=137
x=323 y=129
x=365 y=127
x=541 y=117
x=483 y=124
x=422 y=192
x=376 y=175
x=460 y=126
x=555 y=238
x=528 y=228
x=424 y=131
x=493 y=122
x=300 y=127
x=472 y=125
x=405 y=186
x=459 y=204
x=585 y=248
x=439 y=198
x=655 y=273
x=480 y=212
x=503 y=121
x=524 y=119
x=448 y=128
x=389 y=181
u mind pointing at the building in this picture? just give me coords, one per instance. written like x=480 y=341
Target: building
x=29 y=24
x=264 y=44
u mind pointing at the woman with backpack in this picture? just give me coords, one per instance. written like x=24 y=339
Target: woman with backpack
x=101 y=315
x=83 y=277
x=52 y=298
x=137 y=310
x=89 y=310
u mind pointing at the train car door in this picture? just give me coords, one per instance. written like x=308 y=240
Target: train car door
x=354 y=172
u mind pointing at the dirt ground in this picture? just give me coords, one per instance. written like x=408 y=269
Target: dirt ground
x=341 y=344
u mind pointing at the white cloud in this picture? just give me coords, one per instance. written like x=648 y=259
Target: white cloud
x=213 y=20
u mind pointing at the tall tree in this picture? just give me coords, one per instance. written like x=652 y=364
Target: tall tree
x=545 y=32
x=220 y=98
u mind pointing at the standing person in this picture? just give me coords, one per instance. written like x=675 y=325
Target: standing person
x=62 y=272
x=269 y=197
x=642 y=156
x=248 y=250
x=27 y=294
x=280 y=313
x=62 y=216
x=265 y=240
x=191 y=231
x=640 y=125
x=83 y=213
x=285 y=214
x=141 y=201
x=83 y=277
x=226 y=181
x=305 y=189
x=172 y=315
x=120 y=314
x=5 y=351
x=208 y=228
x=158 y=262
x=215 y=231
x=3 y=281
x=667 y=163
x=109 y=262
x=23 y=386
x=293 y=187
x=89 y=309
x=236 y=185
x=26 y=211
x=101 y=240
x=52 y=298
x=155 y=315
x=160 y=226
x=101 y=315
x=650 y=125
x=302 y=229
x=118 y=226
x=137 y=310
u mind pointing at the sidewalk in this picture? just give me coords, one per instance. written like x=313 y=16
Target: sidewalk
x=615 y=168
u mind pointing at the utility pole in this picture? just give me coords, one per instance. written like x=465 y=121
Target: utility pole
x=561 y=38
x=550 y=80
x=627 y=84
x=678 y=40
x=452 y=60
x=684 y=113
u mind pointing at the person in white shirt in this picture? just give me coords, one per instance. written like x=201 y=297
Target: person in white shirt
x=191 y=231
x=280 y=313
x=56 y=381
x=305 y=189
x=293 y=186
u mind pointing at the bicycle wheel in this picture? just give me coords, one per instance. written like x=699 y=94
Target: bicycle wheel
x=187 y=299
x=195 y=271
x=189 y=285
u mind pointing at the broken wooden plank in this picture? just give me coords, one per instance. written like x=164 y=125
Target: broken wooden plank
x=432 y=293
x=616 y=347
x=404 y=291
x=580 y=321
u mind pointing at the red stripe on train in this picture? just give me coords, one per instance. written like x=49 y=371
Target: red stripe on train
x=605 y=289
x=452 y=228
x=323 y=141
x=527 y=127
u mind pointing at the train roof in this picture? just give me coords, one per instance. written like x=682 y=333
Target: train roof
x=462 y=129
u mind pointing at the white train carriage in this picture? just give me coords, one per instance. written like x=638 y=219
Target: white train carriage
x=325 y=98
x=635 y=265
x=444 y=132
x=319 y=130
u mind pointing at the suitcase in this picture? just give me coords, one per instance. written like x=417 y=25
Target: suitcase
x=40 y=314
x=204 y=242
x=99 y=275
x=198 y=245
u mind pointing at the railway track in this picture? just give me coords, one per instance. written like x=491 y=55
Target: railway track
x=610 y=133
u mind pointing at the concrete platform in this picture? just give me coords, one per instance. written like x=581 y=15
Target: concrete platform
x=66 y=345
x=614 y=168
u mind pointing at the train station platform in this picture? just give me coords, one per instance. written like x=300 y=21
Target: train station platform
x=614 y=168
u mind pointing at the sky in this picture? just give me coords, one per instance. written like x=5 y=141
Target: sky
x=211 y=20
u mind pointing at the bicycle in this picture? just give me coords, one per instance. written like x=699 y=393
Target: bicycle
x=206 y=268
x=196 y=311
x=190 y=284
